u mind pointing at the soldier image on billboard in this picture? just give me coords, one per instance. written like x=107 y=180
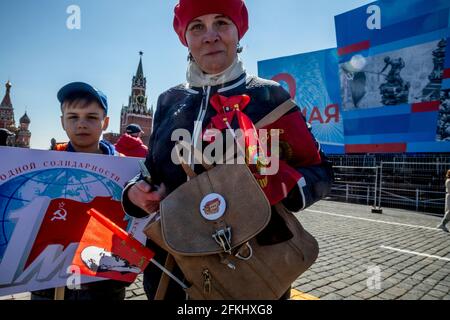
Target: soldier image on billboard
x=395 y=90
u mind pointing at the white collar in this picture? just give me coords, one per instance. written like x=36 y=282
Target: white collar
x=197 y=78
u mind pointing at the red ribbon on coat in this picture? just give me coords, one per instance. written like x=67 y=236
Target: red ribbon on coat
x=276 y=187
x=229 y=108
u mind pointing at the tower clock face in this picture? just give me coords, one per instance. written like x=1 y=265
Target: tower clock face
x=140 y=99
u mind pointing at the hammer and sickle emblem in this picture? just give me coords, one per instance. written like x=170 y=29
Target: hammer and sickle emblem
x=59 y=214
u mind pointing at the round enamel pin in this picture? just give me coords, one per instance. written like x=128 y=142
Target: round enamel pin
x=213 y=206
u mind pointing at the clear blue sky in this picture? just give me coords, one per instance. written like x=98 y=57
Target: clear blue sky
x=39 y=54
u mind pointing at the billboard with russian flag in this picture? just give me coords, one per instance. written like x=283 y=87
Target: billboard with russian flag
x=393 y=65
x=386 y=88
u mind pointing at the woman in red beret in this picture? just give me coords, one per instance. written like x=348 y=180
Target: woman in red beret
x=216 y=83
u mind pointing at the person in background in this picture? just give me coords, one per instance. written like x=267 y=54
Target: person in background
x=446 y=218
x=4 y=135
x=130 y=143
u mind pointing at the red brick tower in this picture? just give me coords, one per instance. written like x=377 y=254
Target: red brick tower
x=137 y=111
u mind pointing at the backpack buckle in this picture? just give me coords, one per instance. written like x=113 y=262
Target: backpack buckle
x=241 y=250
x=223 y=239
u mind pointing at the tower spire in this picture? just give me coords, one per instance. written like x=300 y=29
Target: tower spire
x=140 y=70
x=6 y=102
x=136 y=111
x=7 y=120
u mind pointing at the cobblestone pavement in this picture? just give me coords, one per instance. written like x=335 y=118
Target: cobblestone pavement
x=395 y=255
x=412 y=256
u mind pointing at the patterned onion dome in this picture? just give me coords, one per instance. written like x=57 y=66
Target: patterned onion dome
x=25 y=119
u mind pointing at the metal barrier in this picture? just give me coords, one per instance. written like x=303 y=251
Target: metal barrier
x=413 y=184
x=373 y=160
x=355 y=184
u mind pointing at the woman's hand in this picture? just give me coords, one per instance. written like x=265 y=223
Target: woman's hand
x=145 y=197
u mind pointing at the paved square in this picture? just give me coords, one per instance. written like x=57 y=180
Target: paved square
x=396 y=255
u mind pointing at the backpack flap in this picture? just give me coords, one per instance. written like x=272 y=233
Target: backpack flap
x=214 y=212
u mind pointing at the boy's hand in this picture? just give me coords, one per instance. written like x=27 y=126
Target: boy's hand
x=145 y=197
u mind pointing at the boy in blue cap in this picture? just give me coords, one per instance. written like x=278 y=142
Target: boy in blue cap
x=84 y=118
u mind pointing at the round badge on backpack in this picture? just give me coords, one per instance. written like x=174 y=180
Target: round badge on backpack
x=213 y=206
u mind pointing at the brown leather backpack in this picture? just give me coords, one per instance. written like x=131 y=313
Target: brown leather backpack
x=212 y=226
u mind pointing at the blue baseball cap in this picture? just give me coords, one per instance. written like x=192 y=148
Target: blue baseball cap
x=70 y=88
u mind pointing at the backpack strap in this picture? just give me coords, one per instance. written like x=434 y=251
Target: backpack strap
x=276 y=114
x=273 y=116
x=180 y=145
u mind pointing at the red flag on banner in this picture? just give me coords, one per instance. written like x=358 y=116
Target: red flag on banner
x=65 y=221
x=108 y=251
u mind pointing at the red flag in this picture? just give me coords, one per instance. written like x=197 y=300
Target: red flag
x=65 y=221
x=297 y=146
x=297 y=149
x=108 y=251
x=276 y=187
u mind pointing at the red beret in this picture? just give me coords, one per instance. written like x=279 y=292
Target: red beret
x=188 y=10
